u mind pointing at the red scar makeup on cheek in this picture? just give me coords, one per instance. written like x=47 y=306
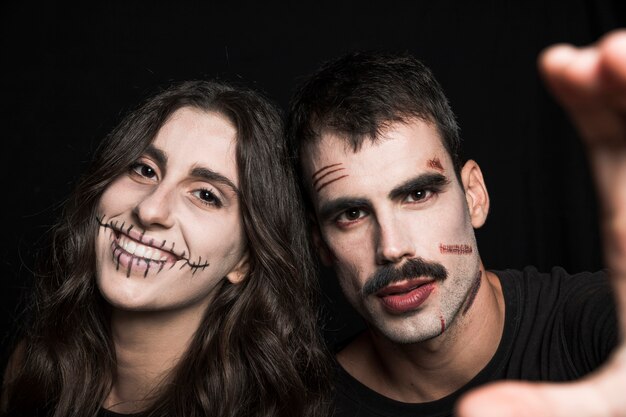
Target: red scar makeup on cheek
x=455 y=249
x=435 y=163
x=327 y=175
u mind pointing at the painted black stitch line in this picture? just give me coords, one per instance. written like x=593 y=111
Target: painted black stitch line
x=100 y=220
x=112 y=226
x=116 y=258
x=114 y=229
x=110 y=229
x=139 y=260
x=145 y=273
x=199 y=265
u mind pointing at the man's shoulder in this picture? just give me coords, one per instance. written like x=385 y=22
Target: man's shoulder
x=529 y=281
x=560 y=325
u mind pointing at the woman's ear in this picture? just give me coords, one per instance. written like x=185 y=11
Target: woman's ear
x=476 y=193
x=240 y=271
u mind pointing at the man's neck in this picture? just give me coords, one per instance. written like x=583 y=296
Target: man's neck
x=435 y=368
x=147 y=346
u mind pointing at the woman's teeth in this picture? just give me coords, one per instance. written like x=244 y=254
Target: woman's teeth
x=141 y=251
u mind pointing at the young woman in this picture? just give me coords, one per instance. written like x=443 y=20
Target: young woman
x=178 y=281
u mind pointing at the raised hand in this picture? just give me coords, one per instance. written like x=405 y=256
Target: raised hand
x=590 y=84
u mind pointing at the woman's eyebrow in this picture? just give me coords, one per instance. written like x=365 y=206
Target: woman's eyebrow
x=210 y=175
x=158 y=155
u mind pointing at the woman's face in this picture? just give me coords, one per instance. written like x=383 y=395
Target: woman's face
x=170 y=228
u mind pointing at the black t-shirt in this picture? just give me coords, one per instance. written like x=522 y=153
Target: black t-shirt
x=557 y=327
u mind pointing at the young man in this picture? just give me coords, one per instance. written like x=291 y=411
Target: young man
x=395 y=211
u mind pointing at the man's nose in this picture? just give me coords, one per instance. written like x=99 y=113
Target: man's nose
x=394 y=241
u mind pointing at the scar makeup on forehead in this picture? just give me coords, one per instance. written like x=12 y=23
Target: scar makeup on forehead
x=324 y=176
x=473 y=291
x=455 y=249
x=319 y=171
x=435 y=163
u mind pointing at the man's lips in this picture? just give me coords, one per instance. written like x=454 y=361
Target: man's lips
x=407 y=295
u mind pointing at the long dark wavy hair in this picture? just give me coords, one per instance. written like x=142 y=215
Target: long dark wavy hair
x=257 y=351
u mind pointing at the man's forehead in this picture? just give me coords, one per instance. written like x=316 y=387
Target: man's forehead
x=419 y=137
x=328 y=145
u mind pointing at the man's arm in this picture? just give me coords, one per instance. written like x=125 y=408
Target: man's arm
x=590 y=83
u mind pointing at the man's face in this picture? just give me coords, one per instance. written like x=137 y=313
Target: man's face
x=170 y=227
x=394 y=222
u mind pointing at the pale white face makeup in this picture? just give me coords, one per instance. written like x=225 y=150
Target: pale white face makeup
x=170 y=228
x=392 y=201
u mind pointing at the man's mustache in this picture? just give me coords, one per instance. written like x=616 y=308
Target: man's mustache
x=412 y=268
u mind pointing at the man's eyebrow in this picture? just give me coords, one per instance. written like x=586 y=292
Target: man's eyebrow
x=330 y=208
x=210 y=175
x=423 y=181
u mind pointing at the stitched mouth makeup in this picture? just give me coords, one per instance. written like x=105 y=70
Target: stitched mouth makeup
x=133 y=251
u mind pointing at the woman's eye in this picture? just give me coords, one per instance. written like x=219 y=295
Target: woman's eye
x=208 y=197
x=143 y=170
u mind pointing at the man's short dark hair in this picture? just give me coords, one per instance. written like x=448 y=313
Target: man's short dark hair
x=359 y=94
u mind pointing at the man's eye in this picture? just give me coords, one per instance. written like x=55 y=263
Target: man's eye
x=418 y=195
x=351 y=215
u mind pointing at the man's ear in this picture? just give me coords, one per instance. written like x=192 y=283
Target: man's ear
x=476 y=193
x=320 y=246
x=240 y=271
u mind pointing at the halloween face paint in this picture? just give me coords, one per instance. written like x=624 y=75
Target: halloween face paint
x=132 y=249
x=327 y=175
x=392 y=211
x=169 y=229
x=435 y=163
x=456 y=249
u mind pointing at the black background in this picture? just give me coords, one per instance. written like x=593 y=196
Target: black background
x=70 y=72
